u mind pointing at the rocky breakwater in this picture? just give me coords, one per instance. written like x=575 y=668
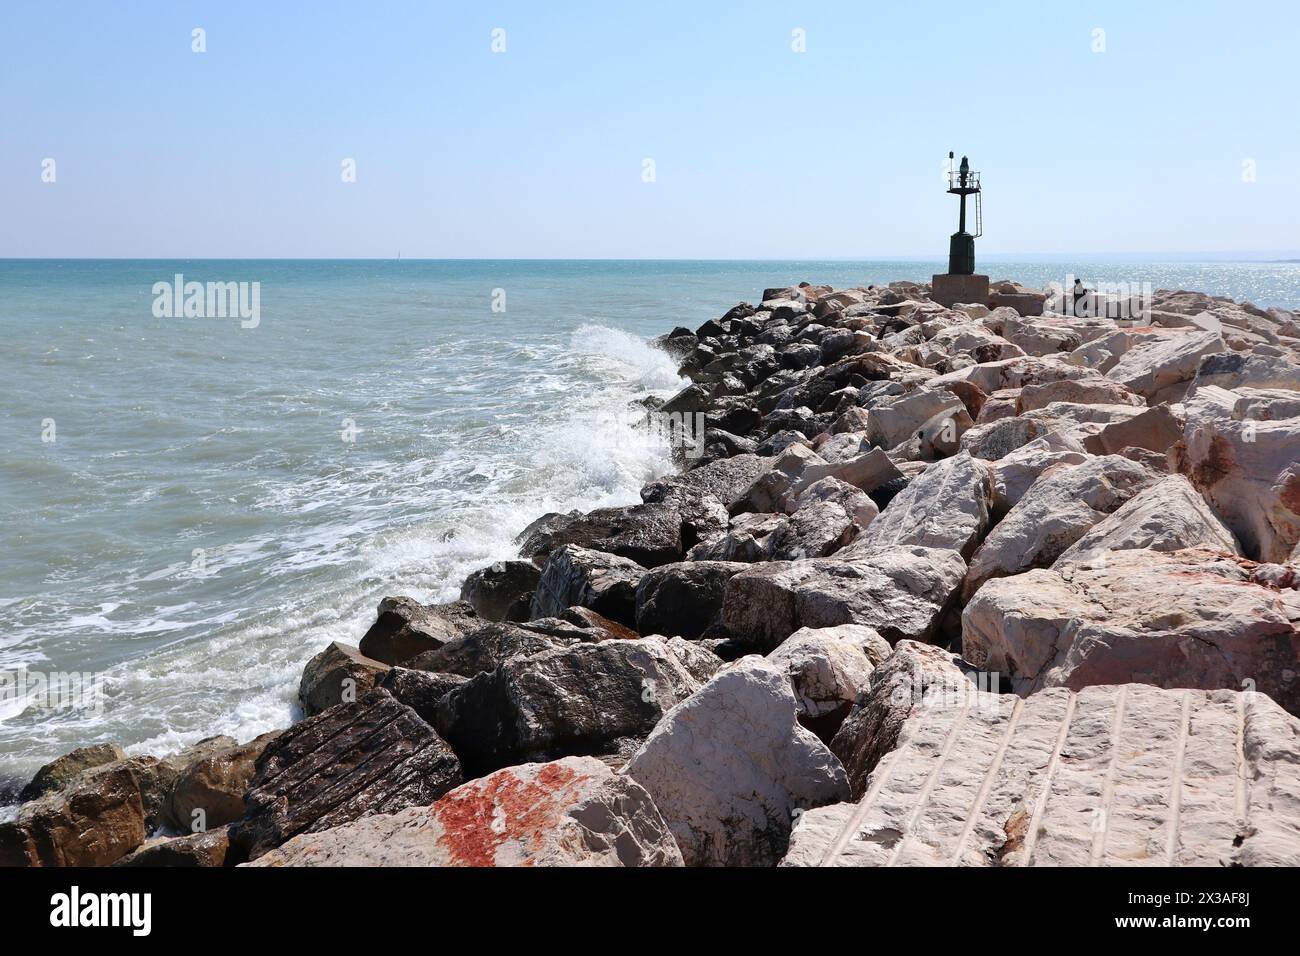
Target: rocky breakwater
x=934 y=586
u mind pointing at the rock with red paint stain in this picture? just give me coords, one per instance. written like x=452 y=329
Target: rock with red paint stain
x=570 y=812
x=586 y=699
x=731 y=766
x=1188 y=618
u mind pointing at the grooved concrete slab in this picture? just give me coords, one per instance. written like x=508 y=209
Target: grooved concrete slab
x=1111 y=776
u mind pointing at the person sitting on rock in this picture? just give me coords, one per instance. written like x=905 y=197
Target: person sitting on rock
x=1080 y=295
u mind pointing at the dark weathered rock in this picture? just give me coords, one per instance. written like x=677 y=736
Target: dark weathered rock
x=495 y=591
x=94 y=821
x=420 y=690
x=575 y=700
x=726 y=480
x=406 y=628
x=337 y=674
x=597 y=627
x=206 y=848
x=372 y=756
x=603 y=582
x=487 y=648
x=62 y=771
x=648 y=533
x=683 y=599
x=901 y=591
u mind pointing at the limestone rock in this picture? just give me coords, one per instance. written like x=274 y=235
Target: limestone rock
x=914 y=675
x=1057 y=511
x=730 y=766
x=826 y=672
x=947 y=507
x=1249 y=472
x=1183 y=619
x=1167 y=516
x=1164 y=360
x=570 y=812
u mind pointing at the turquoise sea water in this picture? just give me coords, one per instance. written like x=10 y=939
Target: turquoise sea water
x=200 y=526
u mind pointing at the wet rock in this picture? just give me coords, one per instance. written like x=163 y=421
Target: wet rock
x=488 y=647
x=1182 y=619
x=496 y=592
x=209 y=792
x=95 y=820
x=900 y=590
x=683 y=599
x=405 y=628
x=576 y=700
x=62 y=771
x=729 y=767
x=649 y=534
x=570 y=812
x=338 y=673
x=372 y=756
x=577 y=576
x=206 y=848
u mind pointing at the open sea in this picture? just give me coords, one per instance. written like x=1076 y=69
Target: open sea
x=191 y=508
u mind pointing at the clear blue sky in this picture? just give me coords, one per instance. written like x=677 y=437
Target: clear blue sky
x=760 y=152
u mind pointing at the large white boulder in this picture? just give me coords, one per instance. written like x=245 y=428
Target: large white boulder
x=730 y=767
x=1058 y=510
